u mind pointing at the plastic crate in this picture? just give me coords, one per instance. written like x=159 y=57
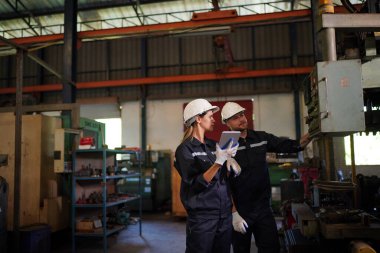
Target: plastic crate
x=35 y=239
x=3 y=213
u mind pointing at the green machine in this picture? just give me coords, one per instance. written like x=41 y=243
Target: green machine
x=95 y=129
x=90 y=127
x=155 y=182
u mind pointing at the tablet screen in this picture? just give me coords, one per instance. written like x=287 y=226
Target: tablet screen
x=226 y=136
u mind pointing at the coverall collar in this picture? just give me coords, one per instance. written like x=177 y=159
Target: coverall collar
x=250 y=134
x=195 y=142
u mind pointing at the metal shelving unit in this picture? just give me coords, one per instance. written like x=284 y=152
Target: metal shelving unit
x=104 y=157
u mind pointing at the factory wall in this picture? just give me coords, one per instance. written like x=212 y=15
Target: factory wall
x=273 y=113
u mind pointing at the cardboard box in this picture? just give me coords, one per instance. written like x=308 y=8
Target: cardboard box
x=55 y=212
x=85 y=225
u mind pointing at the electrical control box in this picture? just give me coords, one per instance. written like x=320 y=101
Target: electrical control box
x=334 y=98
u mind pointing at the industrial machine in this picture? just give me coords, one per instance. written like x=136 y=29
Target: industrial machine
x=342 y=97
x=63 y=141
x=155 y=180
x=334 y=98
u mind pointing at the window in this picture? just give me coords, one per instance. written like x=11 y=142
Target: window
x=366 y=148
x=113 y=132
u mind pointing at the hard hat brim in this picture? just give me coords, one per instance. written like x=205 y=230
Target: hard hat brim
x=225 y=120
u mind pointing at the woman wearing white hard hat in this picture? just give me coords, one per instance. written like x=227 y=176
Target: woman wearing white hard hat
x=204 y=193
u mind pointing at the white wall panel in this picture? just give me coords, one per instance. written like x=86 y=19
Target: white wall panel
x=164 y=123
x=130 y=124
x=100 y=111
x=274 y=113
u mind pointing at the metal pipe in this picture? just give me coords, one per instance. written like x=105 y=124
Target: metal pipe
x=353 y=164
x=330 y=44
x=326 y=142
x=297 y=113
x=316 y=47
x=40 y=76
x=143 y=90
x=70 y=51
x=353 y=170
x=294 y=63
x=327 y=6
x=144 y=73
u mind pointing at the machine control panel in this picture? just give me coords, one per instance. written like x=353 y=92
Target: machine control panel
x=334 y=98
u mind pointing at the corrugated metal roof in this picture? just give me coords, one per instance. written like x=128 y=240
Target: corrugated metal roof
x=149 y=12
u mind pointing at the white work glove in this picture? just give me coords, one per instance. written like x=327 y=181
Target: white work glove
x=233 y=150
x=234 y=166
x=223 y=154
x=239 y=223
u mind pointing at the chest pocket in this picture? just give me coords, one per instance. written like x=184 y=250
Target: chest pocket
x=252 y=154
x=257 y=153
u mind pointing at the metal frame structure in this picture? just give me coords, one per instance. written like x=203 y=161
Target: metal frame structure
x=156 y=18
x=162 y=29
x=358 y=22
x=82 y=7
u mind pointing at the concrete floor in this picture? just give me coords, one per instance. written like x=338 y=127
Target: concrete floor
x=161 y=234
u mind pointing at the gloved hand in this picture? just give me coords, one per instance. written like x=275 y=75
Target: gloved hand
x=239 y=223
x=234 y=166
x=223 y=154
x=233 y=150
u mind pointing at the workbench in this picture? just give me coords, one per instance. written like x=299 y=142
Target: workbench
x=350 y=230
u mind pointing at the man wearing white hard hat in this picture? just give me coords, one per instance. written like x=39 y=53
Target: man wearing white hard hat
x=205 y=192
x=251 y=190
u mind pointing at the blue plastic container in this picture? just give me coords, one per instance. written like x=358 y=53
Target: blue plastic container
x=3 y=213
x=35 y=239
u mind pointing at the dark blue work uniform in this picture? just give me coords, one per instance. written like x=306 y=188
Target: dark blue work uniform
x=251 y=190
x=208 y=205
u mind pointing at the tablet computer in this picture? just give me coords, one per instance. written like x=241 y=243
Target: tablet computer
x=226 y=136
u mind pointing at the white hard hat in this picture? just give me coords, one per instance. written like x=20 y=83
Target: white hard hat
x=229 y=110
x=195 y=108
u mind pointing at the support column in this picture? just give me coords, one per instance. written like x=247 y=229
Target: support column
x=316 y=47
x=40 y=75
x=294 y=63
x=330 y=41
x=253 y=34
x=18 y=138
x=144 y=73
x=70 y=51
x=325 y=39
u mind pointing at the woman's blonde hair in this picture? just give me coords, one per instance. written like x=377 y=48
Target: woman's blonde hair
x=190 y=130
x=188 y=133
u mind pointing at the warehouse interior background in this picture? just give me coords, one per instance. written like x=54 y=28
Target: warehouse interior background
x=122 y=71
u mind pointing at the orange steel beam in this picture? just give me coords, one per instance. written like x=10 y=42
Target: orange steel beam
x=214 y=15
x=151 y=29
x=165 y=79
